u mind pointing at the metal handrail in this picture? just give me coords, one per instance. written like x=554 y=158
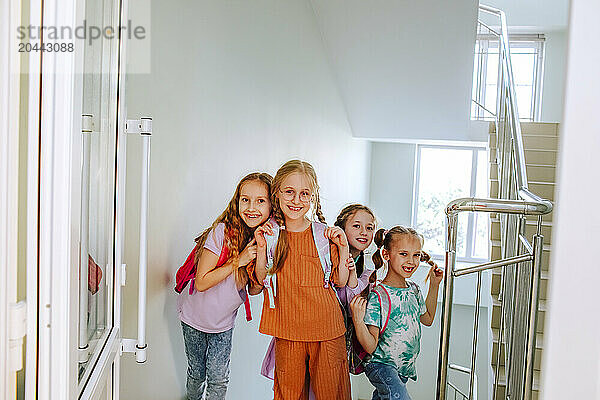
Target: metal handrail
x=517 y=136
x=467 y=371
x=498 y=206
x=515 y=202
x=483 y=107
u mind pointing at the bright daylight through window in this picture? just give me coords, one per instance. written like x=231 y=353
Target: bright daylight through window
x=445 y=173
x=527 y=55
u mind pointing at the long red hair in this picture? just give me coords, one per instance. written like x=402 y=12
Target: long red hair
x=237 y=233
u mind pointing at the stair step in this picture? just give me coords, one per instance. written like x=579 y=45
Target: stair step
x=549 y=142
x=530 y=230
x=502 y=384
x=533 y=156
x=497 y=282
x=542 y=189
x=535 y=172
x=496 y=307
x=539 y=350
x=496 y=243
x=534 y=128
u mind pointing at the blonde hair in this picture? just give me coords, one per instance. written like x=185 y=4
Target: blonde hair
x=237 y=233
x=290 y=167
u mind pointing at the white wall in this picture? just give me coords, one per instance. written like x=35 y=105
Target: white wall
x=235 y=87
x=572 y=348
x=547 y=15
x=553 y=93
x=392 y=182
x=404 y=68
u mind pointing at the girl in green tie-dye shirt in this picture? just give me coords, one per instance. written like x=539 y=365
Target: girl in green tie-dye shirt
x=394 y=352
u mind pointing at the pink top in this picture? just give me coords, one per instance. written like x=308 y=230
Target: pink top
x=213 y=310
x=346 y=294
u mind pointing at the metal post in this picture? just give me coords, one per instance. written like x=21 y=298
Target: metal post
x=452 y=221
x=538 y=248
x=83 y=347
x=500 y=333
x=472 y=387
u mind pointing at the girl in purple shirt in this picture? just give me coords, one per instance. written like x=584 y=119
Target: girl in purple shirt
x=208 y=314
x=358 y=223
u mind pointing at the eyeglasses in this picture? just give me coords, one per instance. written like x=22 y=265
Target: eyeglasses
x=290 y=194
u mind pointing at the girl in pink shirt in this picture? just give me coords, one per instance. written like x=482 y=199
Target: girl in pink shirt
x=208 y=314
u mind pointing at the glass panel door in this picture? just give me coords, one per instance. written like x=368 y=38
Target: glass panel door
x=99 y=131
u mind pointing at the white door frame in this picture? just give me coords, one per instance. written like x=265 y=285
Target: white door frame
x=57 y=229
x=60 y=120
x=114 y=382
x=10 y=18
x=33 y=152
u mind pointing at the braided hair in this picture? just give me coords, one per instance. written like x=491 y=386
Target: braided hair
x=290 y=167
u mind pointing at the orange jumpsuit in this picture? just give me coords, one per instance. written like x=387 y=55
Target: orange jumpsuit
x=308 y=326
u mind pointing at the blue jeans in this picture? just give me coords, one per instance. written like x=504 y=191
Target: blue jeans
x=388 y=384
x=208 y=363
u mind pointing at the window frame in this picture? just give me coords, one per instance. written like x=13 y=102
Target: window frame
x=471 y=218
x=481 y=53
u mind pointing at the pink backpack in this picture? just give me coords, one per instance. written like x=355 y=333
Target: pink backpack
x=187 y=272
x=357 y=356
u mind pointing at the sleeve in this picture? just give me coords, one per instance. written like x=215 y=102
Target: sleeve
x=363 y=282
x=420 y=301
x=334 y=255
x=215 y=239
x=373 y=314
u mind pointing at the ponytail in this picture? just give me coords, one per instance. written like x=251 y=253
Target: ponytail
x=379 y=242
x=383 y=239
x=426 y=258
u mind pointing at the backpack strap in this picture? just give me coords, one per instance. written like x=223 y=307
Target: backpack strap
x=322 y=244
x=270 y=282
x=272 y=243
x=385 y=303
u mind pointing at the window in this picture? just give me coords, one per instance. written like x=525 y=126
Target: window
x=527 y=54
x=443 y=174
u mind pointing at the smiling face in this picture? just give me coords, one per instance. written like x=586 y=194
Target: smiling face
x=404 y=255
x=295 y=196
x=254 y=205
x=359 y=230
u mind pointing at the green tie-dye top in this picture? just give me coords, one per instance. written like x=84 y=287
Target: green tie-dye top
x=400 y=344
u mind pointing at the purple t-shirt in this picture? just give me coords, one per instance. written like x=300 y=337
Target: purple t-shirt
x=346 y=294
x=213 y=310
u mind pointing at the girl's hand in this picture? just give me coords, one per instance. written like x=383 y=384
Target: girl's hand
x=336 y=235
x=358 y=307
x=248 y=254
x=259 y=234
x=436 y=274
x=350 y=264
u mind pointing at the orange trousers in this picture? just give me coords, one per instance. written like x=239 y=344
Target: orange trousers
x=322 y=365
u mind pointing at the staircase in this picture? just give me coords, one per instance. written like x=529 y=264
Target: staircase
x=540 y=144
x=522 y=158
